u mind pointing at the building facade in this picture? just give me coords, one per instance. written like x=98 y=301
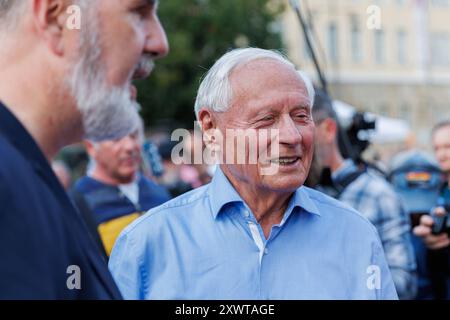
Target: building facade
x=390 y=57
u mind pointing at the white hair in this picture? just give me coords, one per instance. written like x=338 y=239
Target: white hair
x=10 y=13
x=139 y=131
x=215 y=91
x=92 y=164
x=309 y=87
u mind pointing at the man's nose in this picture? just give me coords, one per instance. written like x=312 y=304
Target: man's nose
x=156 y=42
x=289 y=131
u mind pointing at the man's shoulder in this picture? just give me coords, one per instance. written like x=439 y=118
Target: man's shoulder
x=373 y=185
x=86 y=184
x=180 y=209
x=147 y=181
x=81 y=185
x=322 y=199
x=154 y=188
x=341 y=213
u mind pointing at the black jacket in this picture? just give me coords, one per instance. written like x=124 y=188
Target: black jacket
x=43 y=240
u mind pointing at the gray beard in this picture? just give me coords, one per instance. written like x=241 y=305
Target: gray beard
x=107 y=112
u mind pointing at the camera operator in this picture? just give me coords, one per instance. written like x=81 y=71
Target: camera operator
x=434 y=228
x=369 y=193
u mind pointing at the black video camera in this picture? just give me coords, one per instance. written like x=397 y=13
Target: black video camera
x=360 y=122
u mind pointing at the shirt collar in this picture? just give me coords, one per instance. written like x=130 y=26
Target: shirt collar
x=221 y=192
x=302 y=200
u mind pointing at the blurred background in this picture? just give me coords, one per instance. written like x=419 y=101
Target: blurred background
x=384 y=64
x=389 y=59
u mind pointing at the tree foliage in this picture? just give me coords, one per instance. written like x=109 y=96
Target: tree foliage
x=199 y=32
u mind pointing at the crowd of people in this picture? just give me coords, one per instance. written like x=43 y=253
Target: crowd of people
x=230 y=230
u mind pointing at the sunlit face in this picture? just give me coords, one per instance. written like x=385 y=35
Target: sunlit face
x=441 y=145
x=119 y=159
x=118 y=43
x=268 y=94
x=129 y=29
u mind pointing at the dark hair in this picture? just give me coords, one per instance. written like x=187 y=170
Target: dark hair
x=440 y=125
x=323 y=107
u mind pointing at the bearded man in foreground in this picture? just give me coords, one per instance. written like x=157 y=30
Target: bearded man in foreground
x=58 y=85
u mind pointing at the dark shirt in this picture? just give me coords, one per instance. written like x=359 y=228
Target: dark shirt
x=439 y=260
x=433 y=265
x=107 y=201
x=44 y=244
x=112 y=210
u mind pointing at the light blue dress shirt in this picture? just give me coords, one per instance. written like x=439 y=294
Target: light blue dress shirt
x=207 y=244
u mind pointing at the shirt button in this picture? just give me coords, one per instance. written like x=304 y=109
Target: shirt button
x=246 y=213
x=266 y=251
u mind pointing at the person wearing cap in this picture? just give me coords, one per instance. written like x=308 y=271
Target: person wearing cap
x=254 y=232
x=417 y=179
x=439 y=243
x=368 y=193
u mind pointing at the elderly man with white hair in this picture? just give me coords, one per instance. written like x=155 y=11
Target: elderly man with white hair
x=253 y=232
x=64 y=76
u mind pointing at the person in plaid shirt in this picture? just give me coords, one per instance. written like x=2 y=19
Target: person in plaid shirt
x=368 y=192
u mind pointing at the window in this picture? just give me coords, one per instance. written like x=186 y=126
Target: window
x=402 y=46
x=355 y=40
x=379 y=47
x=440 y=49
x=440 y=3
x=405 y=113
x=333 y=43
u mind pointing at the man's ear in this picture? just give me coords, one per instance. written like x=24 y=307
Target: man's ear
x=50 y=17
x=206 y=119
x=90 y=148
x=330 y=130
x=208 y=124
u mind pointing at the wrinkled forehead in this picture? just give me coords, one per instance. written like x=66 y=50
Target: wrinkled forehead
x=263 y=78
x=275 y=104
x=263 y=67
